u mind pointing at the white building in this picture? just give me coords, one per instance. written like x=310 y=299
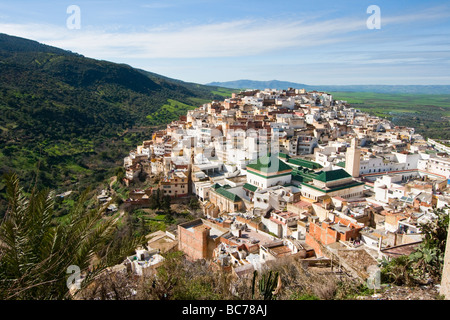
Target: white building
x=268 y=171
x=437 y=165
x=388 y=187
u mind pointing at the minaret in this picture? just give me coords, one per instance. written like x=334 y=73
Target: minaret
x=352 y=159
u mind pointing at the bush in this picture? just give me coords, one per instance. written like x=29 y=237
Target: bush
x=305 y=296
x=426 y=263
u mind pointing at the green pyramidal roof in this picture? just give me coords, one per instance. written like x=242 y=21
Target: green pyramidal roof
x=269 y=164
x=327 y=176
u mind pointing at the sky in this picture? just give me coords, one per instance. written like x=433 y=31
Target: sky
x=319 y=42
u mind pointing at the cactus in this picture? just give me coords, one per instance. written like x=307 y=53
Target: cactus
x=267 y=284
x=255 y=273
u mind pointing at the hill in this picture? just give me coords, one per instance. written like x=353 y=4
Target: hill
x=276 y=84
x=67 y=120
x=260 y=85
x=425 y=108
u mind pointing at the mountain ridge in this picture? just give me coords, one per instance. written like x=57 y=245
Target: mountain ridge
x=66 y=117
x=277 y=84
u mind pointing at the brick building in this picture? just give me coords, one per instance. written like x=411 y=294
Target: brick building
x=328 y=232
x=198 y=238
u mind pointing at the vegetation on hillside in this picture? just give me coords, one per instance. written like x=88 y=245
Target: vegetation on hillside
x=425 y=265
x=67 y=121
x=36 y=252
x=182 y=279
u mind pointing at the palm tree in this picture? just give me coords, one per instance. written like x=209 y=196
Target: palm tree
x=36 y=252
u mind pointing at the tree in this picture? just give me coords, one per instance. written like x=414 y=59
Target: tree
x=142 y=176
x=155 y=201
x=120 y=173
x=143 y=229
x=165 y=204
x=193 y=203
x=35 y=252
x=158 y=196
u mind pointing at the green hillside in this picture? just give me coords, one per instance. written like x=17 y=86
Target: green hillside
x=67 y=121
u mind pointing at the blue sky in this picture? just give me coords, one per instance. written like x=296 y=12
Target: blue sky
x=312 y=42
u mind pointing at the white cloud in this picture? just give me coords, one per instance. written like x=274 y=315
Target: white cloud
x=226 y=39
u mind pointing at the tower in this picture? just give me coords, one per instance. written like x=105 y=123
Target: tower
x=352 y=159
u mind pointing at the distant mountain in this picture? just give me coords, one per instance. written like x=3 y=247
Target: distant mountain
x=276 y=84
x=261 y=85
x=59 y=108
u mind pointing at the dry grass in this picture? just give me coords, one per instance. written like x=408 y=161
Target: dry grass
x=181 y=279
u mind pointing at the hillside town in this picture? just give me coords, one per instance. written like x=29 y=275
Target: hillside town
x=290 y=173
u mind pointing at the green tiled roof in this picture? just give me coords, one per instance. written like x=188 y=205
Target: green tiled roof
x=341 y=164
x=305 y=163
x=332 y=175
x=345 y=186
x=250 y=187
x=303 y=175
x=227 y=194
x=264 y=164
x=283 y=155
x=300 y=177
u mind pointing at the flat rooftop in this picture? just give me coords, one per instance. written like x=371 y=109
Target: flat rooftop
x=286 y=214
x=214 y=230
x=340 y=228
x=251 y=237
